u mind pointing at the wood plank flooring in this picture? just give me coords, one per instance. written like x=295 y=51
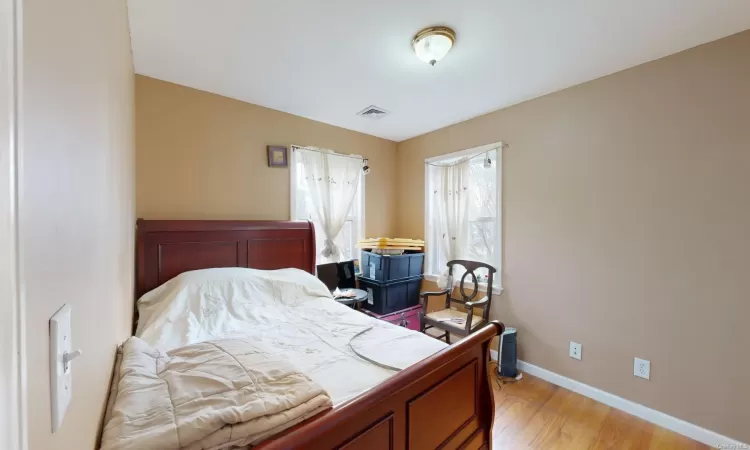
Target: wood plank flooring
x=535 y=414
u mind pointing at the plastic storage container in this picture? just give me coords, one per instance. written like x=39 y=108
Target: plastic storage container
x=385 y=268
x=388 y=297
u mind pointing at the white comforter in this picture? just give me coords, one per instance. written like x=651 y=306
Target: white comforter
x=211 y=395
x=288 y=310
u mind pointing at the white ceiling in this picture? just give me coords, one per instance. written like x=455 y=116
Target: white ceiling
x=328 y=59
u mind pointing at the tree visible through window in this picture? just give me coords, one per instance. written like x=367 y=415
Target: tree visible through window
x=481 y=225
x=482 y=210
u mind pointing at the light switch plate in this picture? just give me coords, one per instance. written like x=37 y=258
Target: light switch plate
x=60 y=378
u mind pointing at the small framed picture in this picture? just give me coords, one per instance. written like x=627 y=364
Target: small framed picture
x=277 y=156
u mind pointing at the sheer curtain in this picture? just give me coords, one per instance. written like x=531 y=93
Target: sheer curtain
x=332 y=181
x=451 y=197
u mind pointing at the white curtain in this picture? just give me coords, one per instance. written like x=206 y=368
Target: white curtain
x=451 y=197
x=332 y=181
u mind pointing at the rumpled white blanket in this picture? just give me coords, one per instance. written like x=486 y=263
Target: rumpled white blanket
x=211 y=395
x=287 y=311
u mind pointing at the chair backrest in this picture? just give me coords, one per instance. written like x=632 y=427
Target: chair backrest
x=329 y=275
x=471 y=267
x=337 y=275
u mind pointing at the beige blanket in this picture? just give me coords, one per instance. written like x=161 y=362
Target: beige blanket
x=212 y=395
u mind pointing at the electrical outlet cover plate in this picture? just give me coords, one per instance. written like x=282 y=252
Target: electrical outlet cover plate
x=60 y=378
x=642 y=368
x=575 y=350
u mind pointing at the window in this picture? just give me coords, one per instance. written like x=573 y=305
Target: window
x=302 y=209
x=478 y=215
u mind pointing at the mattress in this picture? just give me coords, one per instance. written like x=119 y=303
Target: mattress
x=290 y=313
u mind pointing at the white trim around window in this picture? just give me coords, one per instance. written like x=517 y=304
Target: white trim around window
x=358 y=216
x=431 y=272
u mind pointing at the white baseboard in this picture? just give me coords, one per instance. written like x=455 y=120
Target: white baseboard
x=679 y=426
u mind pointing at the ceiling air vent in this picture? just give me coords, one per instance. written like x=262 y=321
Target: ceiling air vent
x=373 y=112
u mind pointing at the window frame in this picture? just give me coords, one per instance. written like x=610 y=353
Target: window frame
x=358 y=220
x=430 y=239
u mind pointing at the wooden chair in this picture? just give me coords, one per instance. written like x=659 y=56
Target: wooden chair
x=470 y=315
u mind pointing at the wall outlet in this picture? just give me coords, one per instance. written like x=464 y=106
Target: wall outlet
x=642 y=368
x=575 y=350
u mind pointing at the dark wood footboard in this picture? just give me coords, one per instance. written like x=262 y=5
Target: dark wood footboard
x=444 y=401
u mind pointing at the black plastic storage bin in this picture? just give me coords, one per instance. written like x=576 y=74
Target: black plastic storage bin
x=384 y=268
x=385 y=298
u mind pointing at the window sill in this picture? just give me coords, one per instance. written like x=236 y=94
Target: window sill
x=496 y=289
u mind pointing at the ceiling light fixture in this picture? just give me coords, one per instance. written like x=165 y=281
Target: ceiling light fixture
x=432 y=44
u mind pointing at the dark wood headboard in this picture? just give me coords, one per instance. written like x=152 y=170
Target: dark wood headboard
x=166 y=248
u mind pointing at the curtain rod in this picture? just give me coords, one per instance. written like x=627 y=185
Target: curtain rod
x=327 y=152
x=466 y=158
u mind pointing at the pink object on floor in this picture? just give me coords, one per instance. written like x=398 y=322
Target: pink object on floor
x=408 y=318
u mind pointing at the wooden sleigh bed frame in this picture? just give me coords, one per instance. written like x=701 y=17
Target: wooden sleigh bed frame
x=444 y=401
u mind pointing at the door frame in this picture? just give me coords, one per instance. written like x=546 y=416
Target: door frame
x=12 y=351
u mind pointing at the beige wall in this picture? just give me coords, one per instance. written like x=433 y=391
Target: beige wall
x=626 y=225
x=76 y=202
x=203 y=156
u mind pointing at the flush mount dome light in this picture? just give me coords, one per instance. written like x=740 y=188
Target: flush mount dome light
x=432 y=44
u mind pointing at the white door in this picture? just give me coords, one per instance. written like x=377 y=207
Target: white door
x=12 y=436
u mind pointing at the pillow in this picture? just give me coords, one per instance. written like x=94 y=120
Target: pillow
x=209 y=298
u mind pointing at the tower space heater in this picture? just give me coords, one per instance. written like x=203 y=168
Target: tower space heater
x=507 y=357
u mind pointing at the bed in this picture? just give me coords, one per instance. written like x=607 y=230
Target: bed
x=441 y=398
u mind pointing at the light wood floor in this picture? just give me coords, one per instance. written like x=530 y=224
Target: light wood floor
x=533 y=413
